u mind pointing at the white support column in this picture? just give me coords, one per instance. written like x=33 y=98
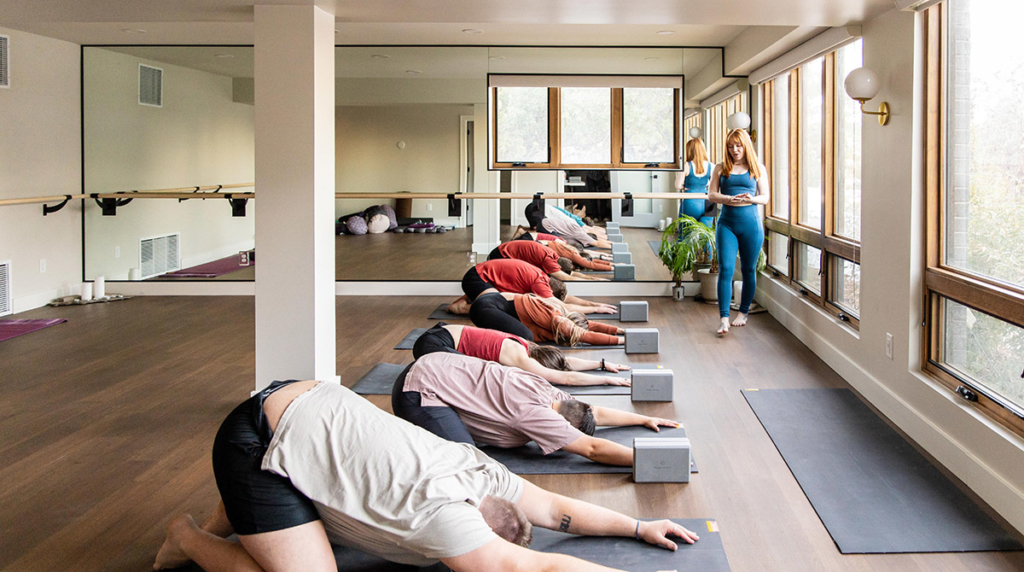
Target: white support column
x=295 y=325
x=486 y=213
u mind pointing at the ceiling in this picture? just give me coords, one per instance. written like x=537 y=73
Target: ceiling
x=500 y=22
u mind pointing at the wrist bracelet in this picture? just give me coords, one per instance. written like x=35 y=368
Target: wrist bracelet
x=602 y=365
x=638 y=529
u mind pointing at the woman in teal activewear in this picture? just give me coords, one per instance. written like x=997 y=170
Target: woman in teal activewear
x=694 y=178
x=739 y=183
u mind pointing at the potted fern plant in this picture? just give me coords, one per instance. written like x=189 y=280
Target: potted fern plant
x=688 y=244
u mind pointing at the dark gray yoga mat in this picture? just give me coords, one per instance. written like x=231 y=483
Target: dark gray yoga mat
x=528 y=459
x=381 y=379
x=872 y=490
x=655 y=246
x=707 y=554
x=442 y=313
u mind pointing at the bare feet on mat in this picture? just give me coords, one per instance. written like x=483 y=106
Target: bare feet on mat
x=723 y=327
x=460 y=306
x=741 y=320
x=170 y=554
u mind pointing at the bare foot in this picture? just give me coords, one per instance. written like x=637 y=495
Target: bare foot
x=460 y=306
x=741 y=320
x=723 y=328
x=170 y=554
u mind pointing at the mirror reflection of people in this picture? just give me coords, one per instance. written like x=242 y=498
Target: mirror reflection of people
x=739 y=183
x=695 y=178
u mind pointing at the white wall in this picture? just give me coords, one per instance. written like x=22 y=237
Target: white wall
x=369 y=160
x=40 y=154
x=199 y=137
x=985 y=456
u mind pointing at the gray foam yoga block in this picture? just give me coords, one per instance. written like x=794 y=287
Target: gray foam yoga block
x=614 y=237
x=661 y=460
x=652 y=385
x=641 y=340
x=611 y=225
x=633 y=311
x=625 y=272
x=622 y=257
x=620 y=247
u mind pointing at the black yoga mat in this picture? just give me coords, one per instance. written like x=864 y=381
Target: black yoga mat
x=528 y=459
x=442 y=313
x=707 y=554
x=872 y=490
x=655 y=246
x=381 y=378
x=410 y=339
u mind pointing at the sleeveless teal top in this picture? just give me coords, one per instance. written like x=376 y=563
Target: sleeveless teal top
x=694 y=184
x=737 y=184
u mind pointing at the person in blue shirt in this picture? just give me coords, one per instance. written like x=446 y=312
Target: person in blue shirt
x=739 y=183
x=695 y=178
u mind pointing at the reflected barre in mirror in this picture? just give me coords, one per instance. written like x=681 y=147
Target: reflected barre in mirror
x=404 y=140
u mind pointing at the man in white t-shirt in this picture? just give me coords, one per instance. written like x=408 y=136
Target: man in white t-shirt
x=302 y=464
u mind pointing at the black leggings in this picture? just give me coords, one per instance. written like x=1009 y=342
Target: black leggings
x=494 y=312
x=495 y=254
x=441 y=421
x=436 y=339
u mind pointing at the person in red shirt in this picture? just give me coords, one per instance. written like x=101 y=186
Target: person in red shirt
x=519 y=277
x=511 y=350
x=551 y=260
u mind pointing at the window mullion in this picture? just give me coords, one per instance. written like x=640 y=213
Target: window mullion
x=554 y=127
x=617 y=160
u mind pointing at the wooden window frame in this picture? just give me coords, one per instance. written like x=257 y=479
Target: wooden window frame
x=555 y=137
x=983 y=294
x=832 y=246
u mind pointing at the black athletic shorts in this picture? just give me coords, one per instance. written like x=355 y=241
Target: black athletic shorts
x=441 y=421
x=436 y=339
x=473 y=284
x=255 y=500
x=495 y=254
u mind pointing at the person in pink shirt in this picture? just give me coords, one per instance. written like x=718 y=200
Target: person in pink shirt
x=470 y=400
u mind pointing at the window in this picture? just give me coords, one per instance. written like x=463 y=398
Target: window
x=974 y=280
x=715 y=119
x=586 y=114
x=522 y=119
x=585 y=122
x=812 y=151
x=648 y=125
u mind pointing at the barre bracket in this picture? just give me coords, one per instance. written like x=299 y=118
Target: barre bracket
x=627 y=205
x=454 y=205
x=237 y=206
x=47 y=209
x=195 y=190
x=109 y=205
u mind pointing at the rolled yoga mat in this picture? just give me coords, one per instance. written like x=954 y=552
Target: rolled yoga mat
x=410 y=339
x=528 y=459
x=381 y=379
x=872 y=490
x=707 y=554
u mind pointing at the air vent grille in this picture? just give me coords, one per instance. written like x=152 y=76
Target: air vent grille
x=5 y=61
x=159 y=255
x=151 y=86
x=6 y=301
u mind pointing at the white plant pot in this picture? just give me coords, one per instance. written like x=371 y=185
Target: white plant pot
x=708 y=284
x=679 y=293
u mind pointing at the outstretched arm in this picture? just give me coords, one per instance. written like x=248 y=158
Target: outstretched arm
x=580 y=364
x=501 y=555
x=601 y=451
x=517 y=357
x=608 y=417
x=556 y=512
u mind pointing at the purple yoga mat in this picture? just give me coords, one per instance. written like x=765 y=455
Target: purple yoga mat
x=211 y=269
x=14 y=328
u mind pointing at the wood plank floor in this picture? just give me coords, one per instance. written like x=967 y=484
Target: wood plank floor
x=107 y=422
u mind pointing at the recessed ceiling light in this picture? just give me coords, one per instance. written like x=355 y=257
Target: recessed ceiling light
x=665 y=32
x=497 y=57
x=472 y=31
x=224 y=56
x=651 y=59
x=413 y=72
x=380 y=56
x=133 y=30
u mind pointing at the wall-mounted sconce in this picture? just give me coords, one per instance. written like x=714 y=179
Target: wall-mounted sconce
x=695 y=133
x=862 y=85
x=740 y=120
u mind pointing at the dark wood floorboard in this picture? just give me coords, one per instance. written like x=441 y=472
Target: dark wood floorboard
x=107 y=422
